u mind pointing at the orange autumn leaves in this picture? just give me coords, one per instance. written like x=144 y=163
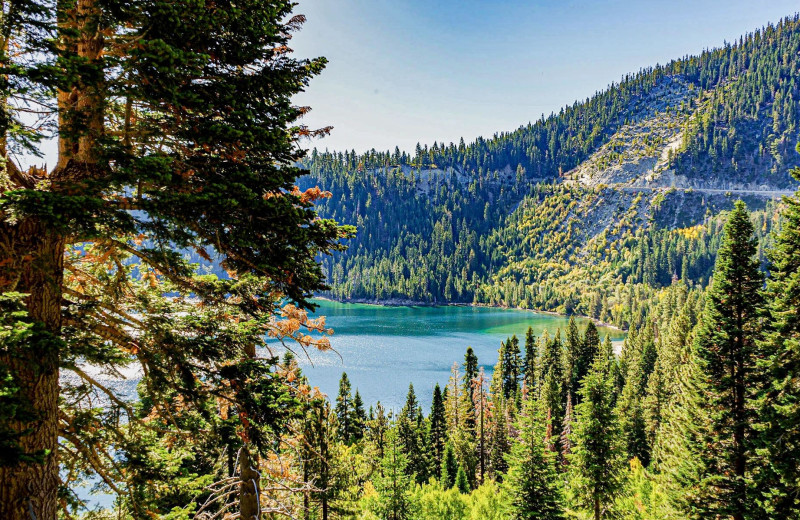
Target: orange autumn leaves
x=294 y=323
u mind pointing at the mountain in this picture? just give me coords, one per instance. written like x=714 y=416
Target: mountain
x=613 y=196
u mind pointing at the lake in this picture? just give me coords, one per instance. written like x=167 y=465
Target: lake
x=384 y=348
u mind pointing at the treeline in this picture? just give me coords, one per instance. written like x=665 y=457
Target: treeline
x=431 y=224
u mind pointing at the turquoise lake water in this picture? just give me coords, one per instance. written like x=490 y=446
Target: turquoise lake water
x=384 y=348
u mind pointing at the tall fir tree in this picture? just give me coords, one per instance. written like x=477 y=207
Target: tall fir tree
x=470 y=369
x=359 y=417
x=597 y=462
x=572 y=353
x=566 y=431
x=345 y=411
x=94 y=257
x=778 y=484
x=470 y=373
x=438 y=427
x=533 y=481
x=511 y=369
x=726 y=351
x=530 y=370
x=393 y=483
x=323 y=464
x=449 y=467
x=412 y=441
x=500 y=443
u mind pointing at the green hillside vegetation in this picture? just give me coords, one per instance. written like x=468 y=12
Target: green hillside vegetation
x=436 y=226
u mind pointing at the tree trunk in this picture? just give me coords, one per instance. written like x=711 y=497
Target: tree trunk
x=32 y=260
x=249 y=506
x=596 y=509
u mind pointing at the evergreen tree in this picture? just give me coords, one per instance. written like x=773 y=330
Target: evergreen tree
x=377 y=430
x=532 y=481
x=631 y=417
x=393 y=483
x=678 y=453
x=500 y=442
x=450 y=467
x=410 y=434
x=462 y=483
x=726 y=351
x=470 y=373
x=553 y=388
x=779 y=481
x=480 y=399
x=438 y=427
x=511 y=369
x=359 y=417
x=572 y=354
x=345 y=411
x=458 y=406
x=529 y=363
x=470 y=370
x=590 y=346
x=176 y=133
x=566 y=432
x=596 y=463
x=322 y=461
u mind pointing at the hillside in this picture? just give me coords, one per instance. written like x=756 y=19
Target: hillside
x=582 y=198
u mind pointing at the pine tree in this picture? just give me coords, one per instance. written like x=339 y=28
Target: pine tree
x=480 y=400
x=359 y=417
x=322 y=460
x=393 y=483
x=566 y=431
x=726 y=352
x=470 y=370
x=438 y=427
x=449 y=468
x=470 y=373
x=529 y=371
x=779 y=482
x=572 y=353
x=590 y=346
x=462 y=483
x=345 y=410
x=678 y=454
x=511 y=369
x=377 y=430
x=409 y=431
x=596 y=462
x=96 y=246
x=500 y=443
x=458 y=405
x=631 y=417
x=532 y=481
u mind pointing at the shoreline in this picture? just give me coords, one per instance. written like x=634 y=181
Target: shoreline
x=400 y=302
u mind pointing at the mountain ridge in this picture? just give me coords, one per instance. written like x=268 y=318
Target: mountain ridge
x=666 y=149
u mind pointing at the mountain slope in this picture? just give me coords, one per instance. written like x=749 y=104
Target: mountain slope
x=527 y=217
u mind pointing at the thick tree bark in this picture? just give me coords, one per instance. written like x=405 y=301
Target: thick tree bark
x=249 y=506
x=33 y=264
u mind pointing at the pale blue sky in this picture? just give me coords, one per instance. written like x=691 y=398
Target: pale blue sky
x=408 y=71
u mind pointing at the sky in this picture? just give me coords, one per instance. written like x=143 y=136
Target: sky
x=407 y=71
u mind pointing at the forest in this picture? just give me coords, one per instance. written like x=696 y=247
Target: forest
x=179 y=228
x=487 y=222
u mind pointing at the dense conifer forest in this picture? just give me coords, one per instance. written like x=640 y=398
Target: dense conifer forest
x=652 y=205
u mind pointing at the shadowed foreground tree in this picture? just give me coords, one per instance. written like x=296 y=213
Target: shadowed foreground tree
x=177 y=141
x=779 y=484
x=726 y=351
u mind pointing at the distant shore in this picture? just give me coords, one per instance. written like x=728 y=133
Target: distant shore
x=399 y=302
